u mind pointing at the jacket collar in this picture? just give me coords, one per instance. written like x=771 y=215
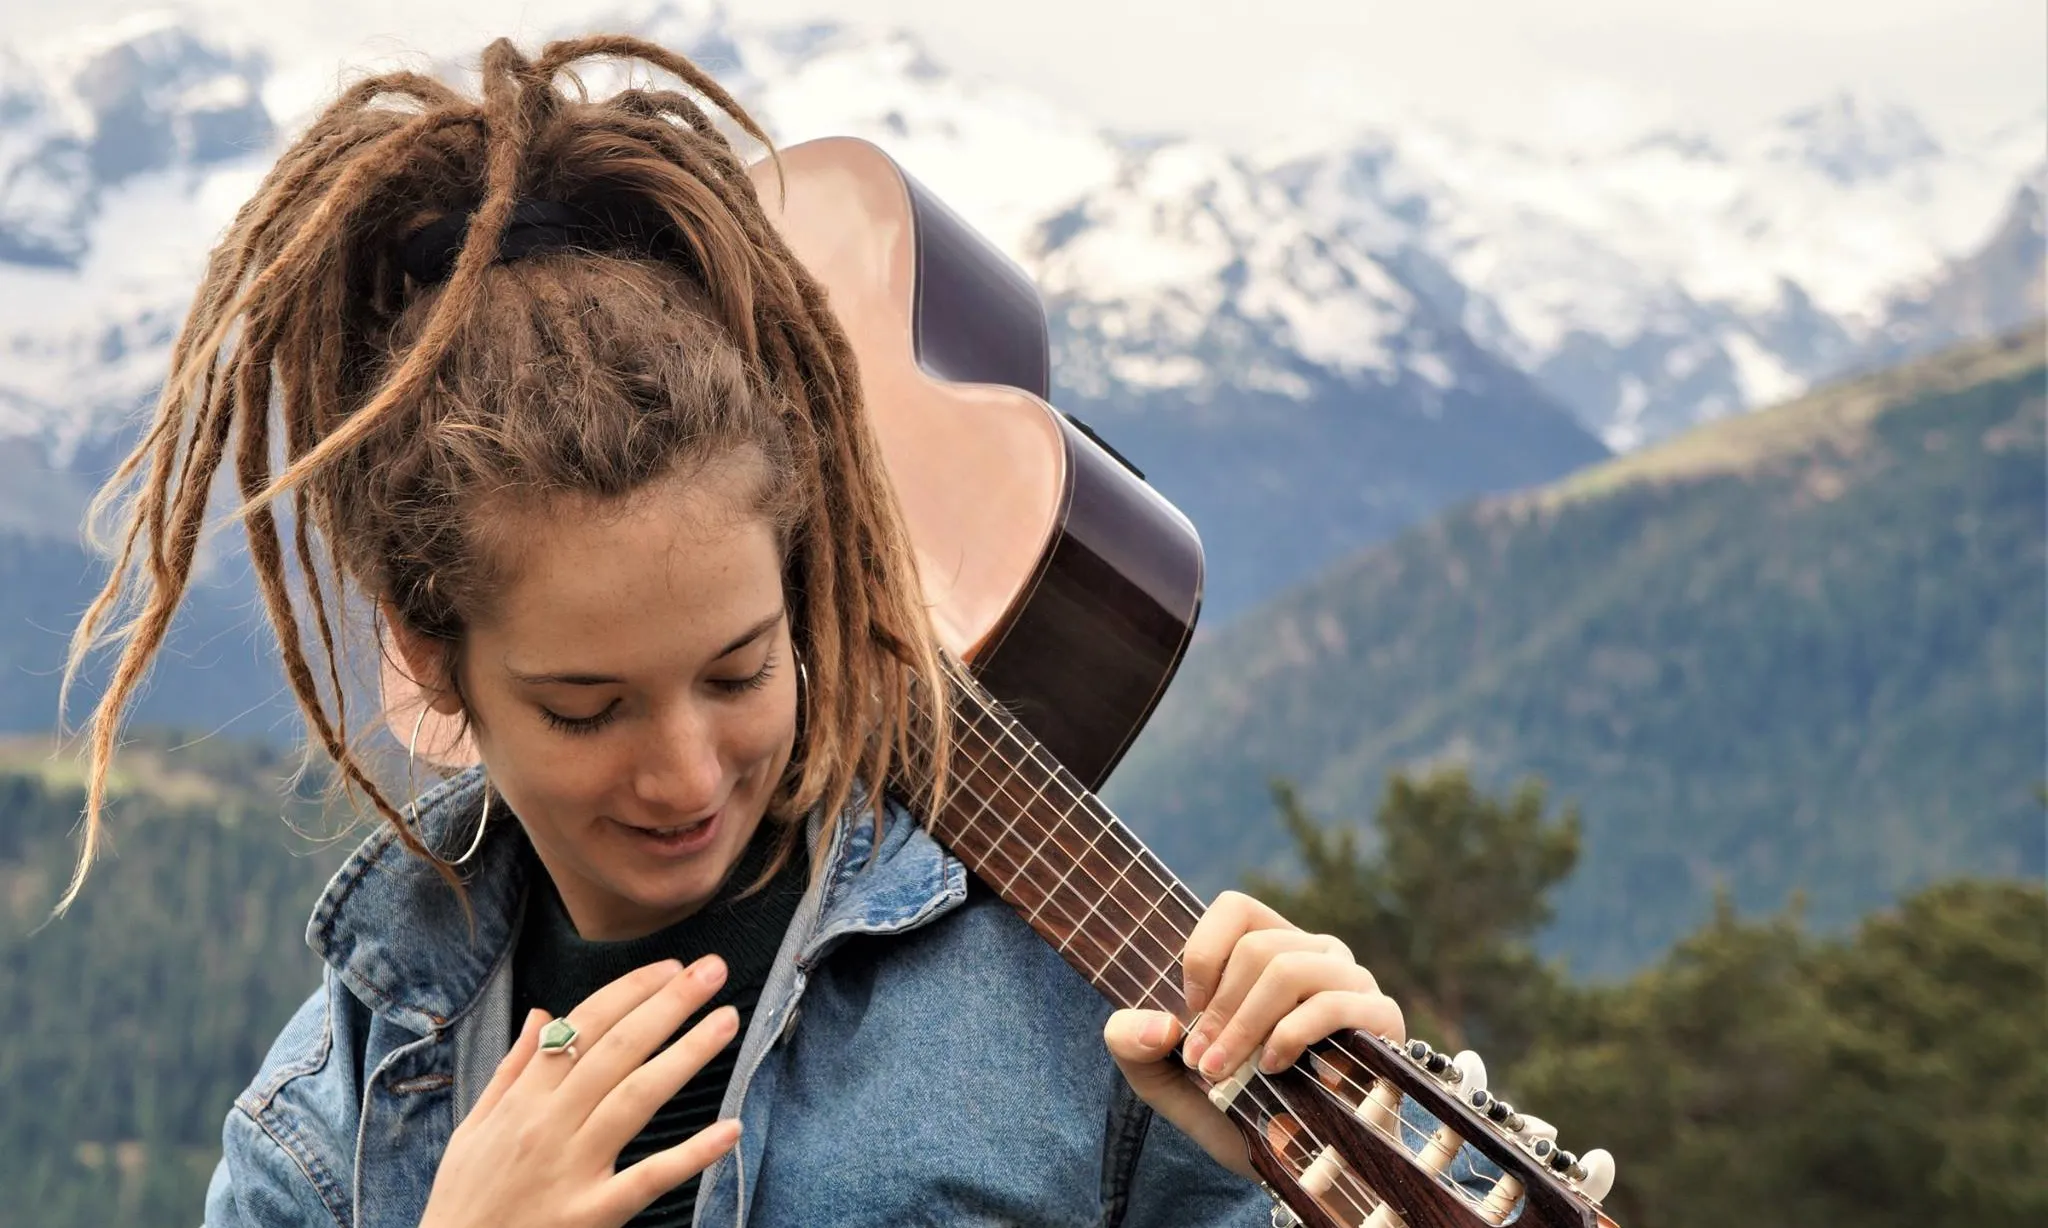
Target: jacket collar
x=397 y=937
x=909 y=879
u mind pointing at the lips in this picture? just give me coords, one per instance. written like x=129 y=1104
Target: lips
x=664 y=832
x=680 y=840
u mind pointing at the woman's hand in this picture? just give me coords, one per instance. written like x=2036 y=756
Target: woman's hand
x=1256 y=980
x=540 y=1146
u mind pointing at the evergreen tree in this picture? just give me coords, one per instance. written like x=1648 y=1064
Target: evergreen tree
x=1443 y=906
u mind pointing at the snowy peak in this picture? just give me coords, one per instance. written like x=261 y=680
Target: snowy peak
x=1190 y=251
x=141 y=96
x=1851 y=141
x=1647 y=286
x=1690 y=146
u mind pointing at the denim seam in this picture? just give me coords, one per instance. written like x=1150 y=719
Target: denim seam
x=786 y=986
x=289 y=1141
x=330 y=910
x=352 y=875
x=312 y=1061
x=1130 y=1120
x=352 y=871
x=368 y=1106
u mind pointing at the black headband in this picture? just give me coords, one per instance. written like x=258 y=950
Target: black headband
x=537 y=225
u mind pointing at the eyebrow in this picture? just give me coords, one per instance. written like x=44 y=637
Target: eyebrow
x=745 y=638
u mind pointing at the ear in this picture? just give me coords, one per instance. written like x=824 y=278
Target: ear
x=424 y=664
x=420 y=709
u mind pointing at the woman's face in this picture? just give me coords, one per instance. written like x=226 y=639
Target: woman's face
x=633 y=693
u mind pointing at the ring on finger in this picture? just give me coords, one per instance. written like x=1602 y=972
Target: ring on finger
x=559 y=1037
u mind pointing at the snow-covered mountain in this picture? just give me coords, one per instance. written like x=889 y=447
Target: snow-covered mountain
x=1670 y=281
x=1408 y=290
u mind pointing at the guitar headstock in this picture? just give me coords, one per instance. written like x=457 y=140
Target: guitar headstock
x=1338 y=1141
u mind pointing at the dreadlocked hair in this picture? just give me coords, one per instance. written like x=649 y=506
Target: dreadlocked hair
x=586 y=373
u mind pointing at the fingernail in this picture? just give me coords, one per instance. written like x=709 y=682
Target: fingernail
x=1196 y=997
x=1154 y=1034
x=1270 y=1062
x=1197 y=1041
x=1212 y=1061
x=709 y=971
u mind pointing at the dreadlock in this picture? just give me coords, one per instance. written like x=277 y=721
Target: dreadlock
x=682 y=330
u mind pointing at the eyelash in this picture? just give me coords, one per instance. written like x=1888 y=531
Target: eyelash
x=591 y=724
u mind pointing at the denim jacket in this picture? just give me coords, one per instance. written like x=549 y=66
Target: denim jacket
x=918 y=1056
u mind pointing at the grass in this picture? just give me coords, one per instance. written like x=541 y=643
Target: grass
x=1831 y=420
x=140 y=769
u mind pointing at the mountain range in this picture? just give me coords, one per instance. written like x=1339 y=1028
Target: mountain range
x=1308 y=349
x=1798 y=652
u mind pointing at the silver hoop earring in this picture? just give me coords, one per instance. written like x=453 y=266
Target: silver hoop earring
x=483 y=820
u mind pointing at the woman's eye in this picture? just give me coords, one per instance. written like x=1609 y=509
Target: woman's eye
x=581 y=724
x=752 y=682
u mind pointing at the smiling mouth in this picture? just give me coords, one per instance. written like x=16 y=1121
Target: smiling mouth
x=683 y=830
x=676 y=830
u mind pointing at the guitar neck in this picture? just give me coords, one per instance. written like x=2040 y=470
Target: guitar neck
x=1030 y=830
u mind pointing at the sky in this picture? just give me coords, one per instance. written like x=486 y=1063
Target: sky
x=1248 y=72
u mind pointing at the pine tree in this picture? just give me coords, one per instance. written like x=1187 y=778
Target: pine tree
x=1444 y=906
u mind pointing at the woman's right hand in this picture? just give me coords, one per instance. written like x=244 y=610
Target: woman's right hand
x=541 y=1145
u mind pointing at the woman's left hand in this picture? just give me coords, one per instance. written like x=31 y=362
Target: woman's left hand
x=1256 y=980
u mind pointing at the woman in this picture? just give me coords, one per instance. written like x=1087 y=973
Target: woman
x=554 y=401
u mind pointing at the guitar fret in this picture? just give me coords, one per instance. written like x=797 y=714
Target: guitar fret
x=1096 y=903
x=1037 y=795
x=1051 y=862
x=1136 y=928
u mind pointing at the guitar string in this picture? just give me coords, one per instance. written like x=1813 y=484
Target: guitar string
x=1006 y=725
x=1079 y=797
x=1138 y=854
x=1359 y=1192
x=1147 y=988
x=1356 y=1191
x=1173 y=890
x=1145 y=991
x=1354 y=1188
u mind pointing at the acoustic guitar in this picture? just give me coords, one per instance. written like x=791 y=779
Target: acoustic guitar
x=1070 y=588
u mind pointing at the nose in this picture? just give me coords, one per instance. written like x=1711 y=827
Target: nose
x=678 y=770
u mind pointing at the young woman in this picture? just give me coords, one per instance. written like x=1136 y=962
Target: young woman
x=540 y=387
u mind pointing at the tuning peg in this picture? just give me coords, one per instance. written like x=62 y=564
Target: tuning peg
x=1538 y=1135
x=1595 y=1174
x=1495 y=1110
x=1471 y=1071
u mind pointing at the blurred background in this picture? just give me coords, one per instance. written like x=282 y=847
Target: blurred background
x=1616 y=428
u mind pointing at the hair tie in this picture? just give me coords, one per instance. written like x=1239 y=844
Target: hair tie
x=429 y=255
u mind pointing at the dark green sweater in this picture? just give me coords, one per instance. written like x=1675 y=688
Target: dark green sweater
x=555 y=968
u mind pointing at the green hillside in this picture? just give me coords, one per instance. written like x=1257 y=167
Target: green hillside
x=1797 y=651
x=134 y=1020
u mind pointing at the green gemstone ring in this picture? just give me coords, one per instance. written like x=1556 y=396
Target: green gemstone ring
x=558 y=1037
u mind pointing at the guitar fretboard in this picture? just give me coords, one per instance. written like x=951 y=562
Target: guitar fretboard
x=1081 y=878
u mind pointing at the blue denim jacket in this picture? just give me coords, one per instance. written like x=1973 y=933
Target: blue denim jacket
x=918 y=1056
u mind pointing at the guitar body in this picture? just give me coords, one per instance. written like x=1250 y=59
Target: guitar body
x=1067 y=584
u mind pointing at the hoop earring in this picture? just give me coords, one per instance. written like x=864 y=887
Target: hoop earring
x=803 y=694
x=413 y=806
